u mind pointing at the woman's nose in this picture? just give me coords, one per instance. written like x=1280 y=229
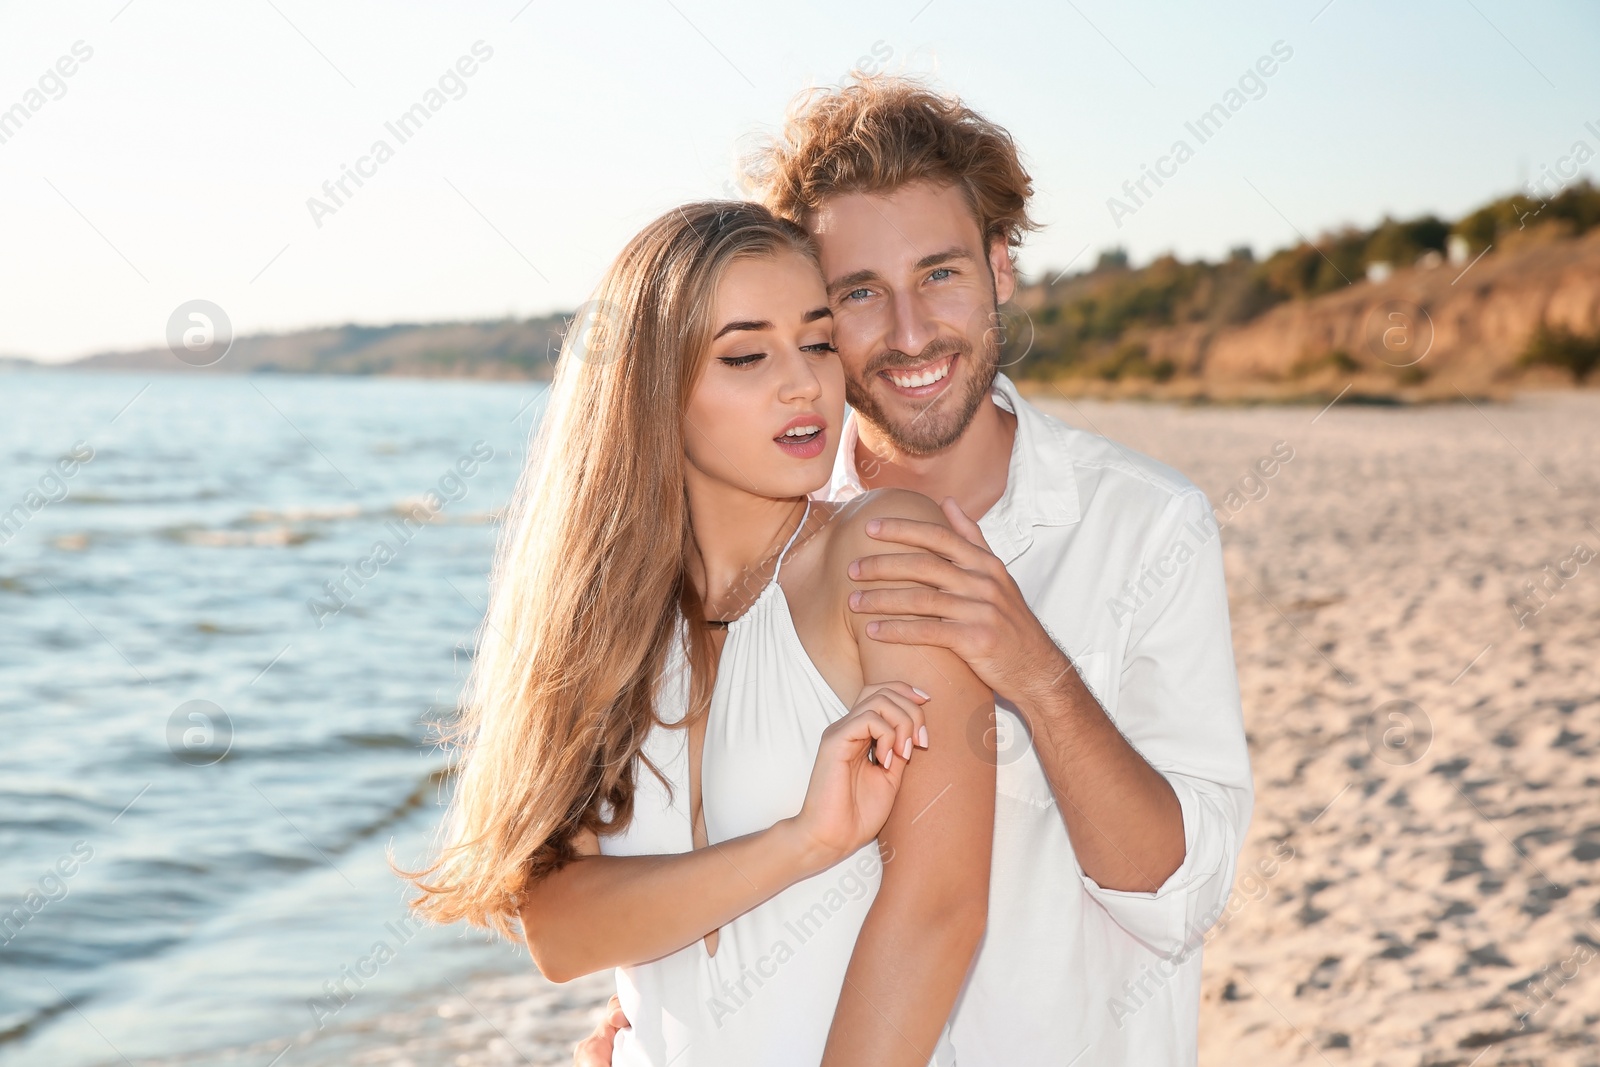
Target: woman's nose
x=800 y=381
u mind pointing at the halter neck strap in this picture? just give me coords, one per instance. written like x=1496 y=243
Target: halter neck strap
x=790 y=543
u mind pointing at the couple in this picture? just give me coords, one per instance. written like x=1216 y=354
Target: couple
x=831 y=773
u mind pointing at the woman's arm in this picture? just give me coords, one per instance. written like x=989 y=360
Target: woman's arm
x=928 y=919
x=608 y=911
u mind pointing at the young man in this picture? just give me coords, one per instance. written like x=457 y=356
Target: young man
x=1088 y=595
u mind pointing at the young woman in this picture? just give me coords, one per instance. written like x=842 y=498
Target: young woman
x=684 y=758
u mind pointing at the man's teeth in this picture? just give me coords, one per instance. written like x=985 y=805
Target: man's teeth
x=801 y=431
x=927 y=377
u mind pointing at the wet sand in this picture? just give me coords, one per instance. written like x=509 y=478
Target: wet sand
x=1418 y=886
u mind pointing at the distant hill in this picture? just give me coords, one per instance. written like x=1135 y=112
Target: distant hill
x=1507 y=296
x=504 y=348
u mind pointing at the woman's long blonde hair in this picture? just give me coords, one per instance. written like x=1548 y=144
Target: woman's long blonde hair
x=590 y=574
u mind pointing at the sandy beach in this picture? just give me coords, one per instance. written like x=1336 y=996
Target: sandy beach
x=1418 y=884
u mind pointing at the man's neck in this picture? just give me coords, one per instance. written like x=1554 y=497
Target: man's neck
x=973 y=469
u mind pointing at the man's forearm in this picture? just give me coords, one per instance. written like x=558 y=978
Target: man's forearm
x=1123 y=817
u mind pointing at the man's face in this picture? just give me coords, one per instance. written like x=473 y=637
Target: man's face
x=913 y=291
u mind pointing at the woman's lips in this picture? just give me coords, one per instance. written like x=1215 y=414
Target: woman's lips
x=807 y=447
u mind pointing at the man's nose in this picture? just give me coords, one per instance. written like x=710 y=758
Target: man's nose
x=912 y=327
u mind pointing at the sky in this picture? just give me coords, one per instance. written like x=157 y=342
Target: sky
x=185 y=155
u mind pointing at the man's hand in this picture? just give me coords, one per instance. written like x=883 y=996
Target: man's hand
x=595 y=1050
x=1125 y=821
x=969 y=604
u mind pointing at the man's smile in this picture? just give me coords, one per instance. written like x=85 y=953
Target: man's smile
x=923 y=380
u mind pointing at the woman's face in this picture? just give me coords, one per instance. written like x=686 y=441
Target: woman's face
x=766 y=412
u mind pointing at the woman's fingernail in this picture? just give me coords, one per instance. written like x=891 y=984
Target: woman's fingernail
x=919 y=693
x=922 y=736
x=890 y=761
x=907 y=746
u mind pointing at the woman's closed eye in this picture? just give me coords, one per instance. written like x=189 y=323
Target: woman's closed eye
x=752 y=358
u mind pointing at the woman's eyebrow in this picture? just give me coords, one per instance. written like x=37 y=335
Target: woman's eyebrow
x=757 y=325
x=743 y=324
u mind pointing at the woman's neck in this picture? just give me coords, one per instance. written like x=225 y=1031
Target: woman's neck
x=736 y=532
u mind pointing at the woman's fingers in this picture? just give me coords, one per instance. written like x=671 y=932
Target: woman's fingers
x=905 y=689
x=876 y=726
x=865 y=731
x=900 y=699
x=888 y=719
x=888 y=726
x=903 y=715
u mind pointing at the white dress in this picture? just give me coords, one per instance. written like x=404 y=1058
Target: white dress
x=768 y=995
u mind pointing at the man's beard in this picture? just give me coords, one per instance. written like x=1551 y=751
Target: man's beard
x=943 y=420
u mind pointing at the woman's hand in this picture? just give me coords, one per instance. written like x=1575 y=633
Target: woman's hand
x=849 y=798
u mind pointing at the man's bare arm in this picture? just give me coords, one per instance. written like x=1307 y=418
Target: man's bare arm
x=1123 y=817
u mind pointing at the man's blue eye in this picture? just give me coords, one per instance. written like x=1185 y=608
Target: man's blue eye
x=855 y=294
x=939 y=274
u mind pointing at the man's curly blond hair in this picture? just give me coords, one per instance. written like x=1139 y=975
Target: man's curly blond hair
x=881 y=132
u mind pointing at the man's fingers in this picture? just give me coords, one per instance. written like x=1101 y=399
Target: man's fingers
x=908 y=567
x=595 y=1050
x=916 y=632
x=929 y=535
x=963 y=525
x=926 y=602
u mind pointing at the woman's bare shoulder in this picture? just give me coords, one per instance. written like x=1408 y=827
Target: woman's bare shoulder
x=846 y=531
x=854 y=515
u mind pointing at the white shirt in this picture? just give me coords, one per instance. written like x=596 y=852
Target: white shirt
x=1120 y=559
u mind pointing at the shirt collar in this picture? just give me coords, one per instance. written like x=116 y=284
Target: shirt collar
x=1041 y=489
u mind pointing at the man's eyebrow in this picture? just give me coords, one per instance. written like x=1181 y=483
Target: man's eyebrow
x=817 y=313
x=935 y=258
x=851 y=280
x=743 y=324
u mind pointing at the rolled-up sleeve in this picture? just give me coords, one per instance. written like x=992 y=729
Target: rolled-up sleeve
x=1178 y=706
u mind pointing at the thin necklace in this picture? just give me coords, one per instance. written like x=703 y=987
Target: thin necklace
x=723 y=624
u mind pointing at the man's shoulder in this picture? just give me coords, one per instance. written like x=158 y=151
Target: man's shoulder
x=1103 y=468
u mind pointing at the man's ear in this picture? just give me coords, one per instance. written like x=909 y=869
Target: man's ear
x=1005 y=276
